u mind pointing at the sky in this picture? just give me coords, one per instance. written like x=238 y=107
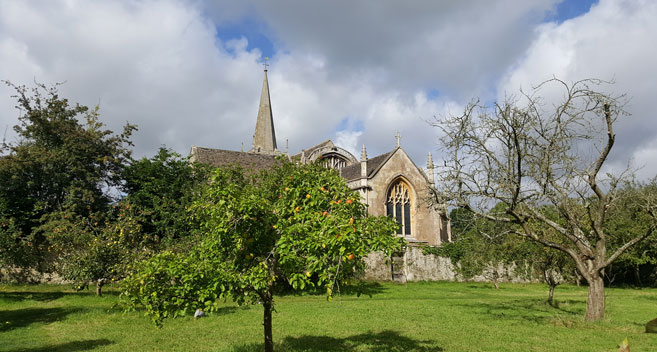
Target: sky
x=356 y=72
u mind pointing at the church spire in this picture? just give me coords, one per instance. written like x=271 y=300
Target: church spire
x=264 y=138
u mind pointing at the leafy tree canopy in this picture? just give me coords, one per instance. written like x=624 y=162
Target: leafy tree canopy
x=152 y=217
x=627 y=219
x=162 y=189
x=297 y=225
x=64 y=160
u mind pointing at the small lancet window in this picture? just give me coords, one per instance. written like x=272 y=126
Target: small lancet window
x=398 y=207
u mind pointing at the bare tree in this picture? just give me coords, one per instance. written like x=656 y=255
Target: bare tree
x=531 y=156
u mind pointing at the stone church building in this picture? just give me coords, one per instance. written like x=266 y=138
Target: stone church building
x=389 y=184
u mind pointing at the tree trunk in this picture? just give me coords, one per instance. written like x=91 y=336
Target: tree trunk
x=637 y=275
x=551 y=294
x=267 y=302
x=496 y=284
x=99 y=287
x=548 y=277
x=269 y=339
x=595 y=303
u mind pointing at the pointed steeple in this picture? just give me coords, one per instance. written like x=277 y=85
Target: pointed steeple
x=264 y=138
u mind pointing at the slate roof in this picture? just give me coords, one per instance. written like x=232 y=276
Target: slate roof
x=257 y=162
x=307 y=152
x=221 y=157
x=352 y=172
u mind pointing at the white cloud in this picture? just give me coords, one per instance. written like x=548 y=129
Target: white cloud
x=161 y=65
x=349 y=141
x=612 y=41
x=644 y=160
x=458 y=47
x=153 y=63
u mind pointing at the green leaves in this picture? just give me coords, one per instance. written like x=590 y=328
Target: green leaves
x=296 y=225
x=63 y=161
x=163 y=189
x=172 y=284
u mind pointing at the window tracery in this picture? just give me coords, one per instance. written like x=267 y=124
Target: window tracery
x=333 y=162
x=398 y=206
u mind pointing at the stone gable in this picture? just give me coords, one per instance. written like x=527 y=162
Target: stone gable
x=426 y=223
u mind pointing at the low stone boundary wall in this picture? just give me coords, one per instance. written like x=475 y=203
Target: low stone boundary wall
x=414 y=265
x=29 y=276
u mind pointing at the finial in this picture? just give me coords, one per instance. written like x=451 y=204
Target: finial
x=398 y=137
x=242 y=149
x=287 y=146
x=363 y=168
x=430 y=170
x=266 y=63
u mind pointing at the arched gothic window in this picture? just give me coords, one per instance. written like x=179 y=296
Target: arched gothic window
x=398 y=206
x=334 y=162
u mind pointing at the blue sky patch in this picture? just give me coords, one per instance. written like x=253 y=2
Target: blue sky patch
x=254 y=31
x=432 y=93
x=349 y=124
x=568 y=9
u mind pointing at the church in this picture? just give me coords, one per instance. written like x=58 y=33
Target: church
x=390 y=184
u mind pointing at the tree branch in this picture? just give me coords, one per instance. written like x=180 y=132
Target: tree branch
x=627 y=245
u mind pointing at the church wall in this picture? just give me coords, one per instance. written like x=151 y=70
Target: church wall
x=425 y=222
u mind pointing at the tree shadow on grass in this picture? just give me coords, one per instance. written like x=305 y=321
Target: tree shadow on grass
x=649 y=298
x=366 y=288
x=19 y=296
x=538 y=311
x=189 y=314
x=84 y=345
x=226 y=310
x=484 y=286
x=20 y=318
x=34 y=296
x=383 y=341
x=363 y=288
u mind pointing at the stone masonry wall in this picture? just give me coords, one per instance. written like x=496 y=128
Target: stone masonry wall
x=417 y=266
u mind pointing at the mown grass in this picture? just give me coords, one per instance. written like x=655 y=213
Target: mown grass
x=436 y=316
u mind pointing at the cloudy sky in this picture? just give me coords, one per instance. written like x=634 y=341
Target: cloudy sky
x=189 y=72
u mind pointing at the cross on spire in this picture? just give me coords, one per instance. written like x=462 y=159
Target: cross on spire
x=266 y=63
x=398 y=137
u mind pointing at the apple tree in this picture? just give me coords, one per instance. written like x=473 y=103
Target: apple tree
x=96 y=248
x=292 y=225
x=530 y=152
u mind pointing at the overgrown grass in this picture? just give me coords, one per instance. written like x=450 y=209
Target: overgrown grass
x=438 y=316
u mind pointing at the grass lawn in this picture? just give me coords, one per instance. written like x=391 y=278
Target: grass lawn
x=436 y=316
